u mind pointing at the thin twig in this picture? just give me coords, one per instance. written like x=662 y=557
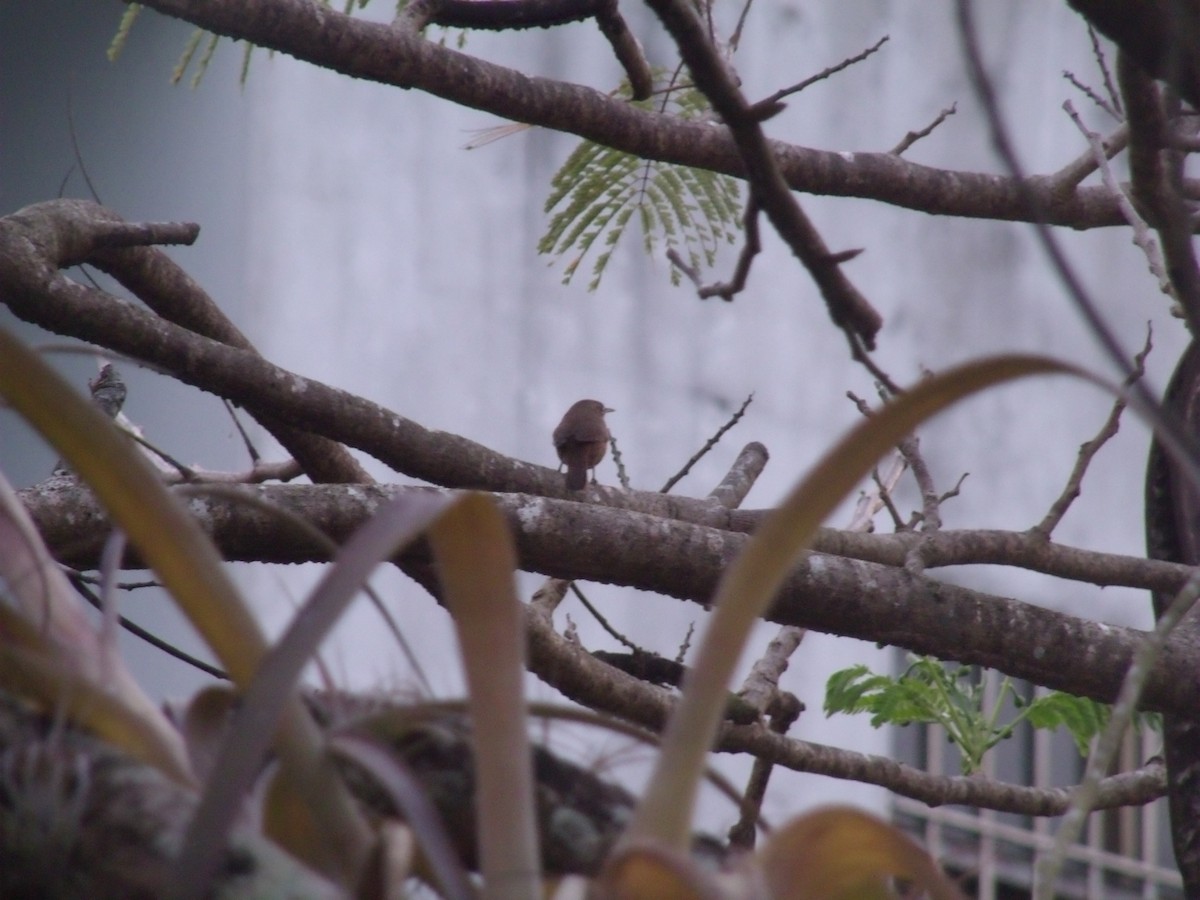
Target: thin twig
x=871 y=502
x=910 y=450
x=931 y=516
x=820 y=76
x=184 y=470
x=954 y=491
x=72 y=572
x=860 y=404
x=1091 y=94
x=1114 y=95
x=885 y=497
x=708 y=445
x=686 y=644
x=603 y=622
x=860 y=353
x=727 y=289
x=736 y=38
x=87 y=179
x=1089 y=449
x=619 y=462
x=251 y=450
x=81 y=586
x=1142 y=236
x=283 y=470
x=913 y=136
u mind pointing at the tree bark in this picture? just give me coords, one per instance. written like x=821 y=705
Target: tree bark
x=1173 y=533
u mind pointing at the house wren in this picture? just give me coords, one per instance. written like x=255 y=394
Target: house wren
x=581 y=440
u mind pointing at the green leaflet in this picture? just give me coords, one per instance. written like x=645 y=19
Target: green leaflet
x=931 y=693
x=597 y=190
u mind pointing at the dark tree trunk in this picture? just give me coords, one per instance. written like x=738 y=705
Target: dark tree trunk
x=1173 y=533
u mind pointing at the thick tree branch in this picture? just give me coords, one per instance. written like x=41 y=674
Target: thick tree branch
x=362 y=49
x=43 y=238
x=564 y=539
x=1157 y=175
x=36 y=292
x=583 y=678
x=1131 y=788
x=501 y=15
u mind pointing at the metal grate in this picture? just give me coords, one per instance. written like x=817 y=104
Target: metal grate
x=1125 y=853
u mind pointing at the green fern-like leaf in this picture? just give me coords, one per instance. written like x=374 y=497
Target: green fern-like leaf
x=598 y=190
x=117 y=45
x=189 y=51
x=890 y=701
x=1082 y=717
x=953 y=697
x=205 y=59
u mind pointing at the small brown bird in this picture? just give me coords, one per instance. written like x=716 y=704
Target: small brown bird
x=581 y=440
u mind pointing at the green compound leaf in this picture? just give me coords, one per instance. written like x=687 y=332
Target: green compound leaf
x=931 y=693
x=598 y=189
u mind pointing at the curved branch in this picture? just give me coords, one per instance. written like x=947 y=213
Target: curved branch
x=583 y=678
x=317 y=34
x=500 y=15
x=43 y=238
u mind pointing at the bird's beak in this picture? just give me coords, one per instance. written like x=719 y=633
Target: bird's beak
x=609 y=409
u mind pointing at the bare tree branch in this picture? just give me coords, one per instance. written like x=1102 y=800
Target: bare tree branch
x=374 y=51
x=848 y=308
x=708 y=445
x=565 y=539
x=1141 y=230
x=1157 y=176
x=1088 y=451
x=774 y=98
x=741 y=476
